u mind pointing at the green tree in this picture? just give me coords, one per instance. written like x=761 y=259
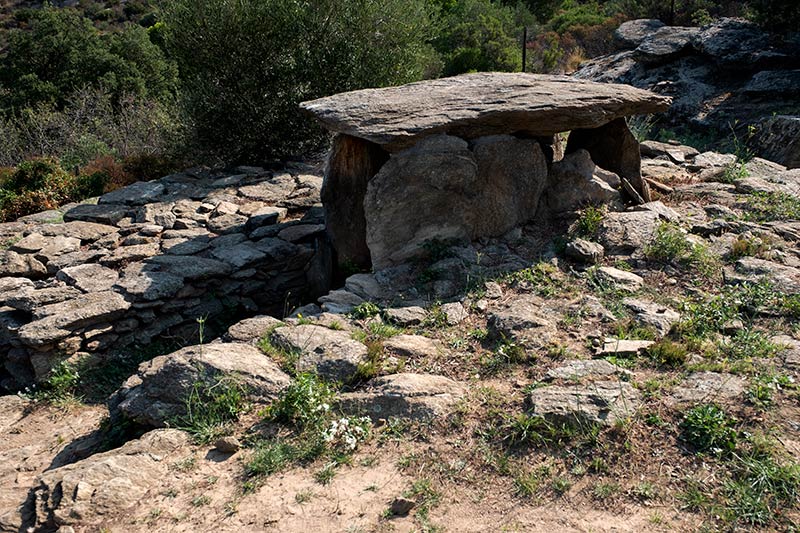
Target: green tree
x=58 y=52
x=479 y=35
x=246 y=65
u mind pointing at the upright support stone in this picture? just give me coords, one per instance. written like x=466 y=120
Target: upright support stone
x=613 y=147
x=352 y=162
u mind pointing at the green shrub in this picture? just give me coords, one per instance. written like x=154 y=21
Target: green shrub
x=588 y=224
x=709 y=428
x=480 y=35
x=58 y=52
x=305 y=403
x=60 y=385
x=668 y=354
x=245 y=66
x=365 y=310
x=671 y=245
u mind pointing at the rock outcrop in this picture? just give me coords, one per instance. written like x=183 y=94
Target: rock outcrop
x=157 y=394
x=728 y=73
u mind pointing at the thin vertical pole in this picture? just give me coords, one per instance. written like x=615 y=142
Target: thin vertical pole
x=524 y=48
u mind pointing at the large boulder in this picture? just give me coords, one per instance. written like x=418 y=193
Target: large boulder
x=331 y=354
x=574 y=182
x=631 y=33
x=778 y=138
x=443 y=188
x=477 y=105
x=105 y=485
x=731 y=42
x=666 y=44
x=158 y=392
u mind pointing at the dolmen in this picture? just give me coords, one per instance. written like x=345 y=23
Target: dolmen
x=472 y=156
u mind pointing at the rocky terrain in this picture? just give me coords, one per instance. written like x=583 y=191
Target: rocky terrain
x=499 y=311
x=611 y=368
x=724 y=76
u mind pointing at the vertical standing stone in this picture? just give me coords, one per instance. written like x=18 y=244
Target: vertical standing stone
x=352 y=162
x=613 y=147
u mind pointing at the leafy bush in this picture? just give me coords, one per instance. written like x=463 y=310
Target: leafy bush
x=316 y=431
x=57 y=52
x=41 y=184
x=305 y=403
x=709 y=428
x=671 y=245
x=480 y=35
x=245 y=66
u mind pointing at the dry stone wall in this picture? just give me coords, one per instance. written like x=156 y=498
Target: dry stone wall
x=151 y=259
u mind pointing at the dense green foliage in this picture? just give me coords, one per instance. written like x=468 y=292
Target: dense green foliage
x=246 y=65
x=42 y=184
x=59 y=52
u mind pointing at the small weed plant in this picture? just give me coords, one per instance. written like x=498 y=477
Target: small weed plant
x=314 y=430
x=542 y=278
x=708 y=428
x=212 y=405
x=365 y=310
x=671 y=245
x=60 y=386
x=771 y=206
x=588 y=224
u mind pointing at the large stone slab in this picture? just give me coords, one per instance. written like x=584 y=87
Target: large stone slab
x=477 y=105
x=55 y=322
x=334 y=355
x=443 y=188
x=158 y=391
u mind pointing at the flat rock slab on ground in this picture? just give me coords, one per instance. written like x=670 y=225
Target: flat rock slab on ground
x=652 y=315
x=476 y=105
x=582 y=405
x=522 y=320
x=579 y=369
x=158 y=392
x=106 y=484
x=412 y=396
x=411 y=346
x=705 y=387
x=332 y=354
x=623 y=348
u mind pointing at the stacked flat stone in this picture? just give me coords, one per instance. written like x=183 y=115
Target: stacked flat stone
x=150 y=259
